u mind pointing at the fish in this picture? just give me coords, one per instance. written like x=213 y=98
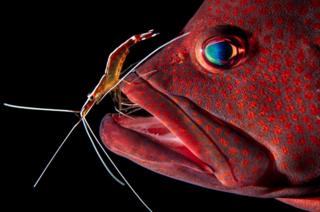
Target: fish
x=233 y=106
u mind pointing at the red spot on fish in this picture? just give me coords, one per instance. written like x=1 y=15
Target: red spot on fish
x=285 y=150
x=314 y=110
x=299 y=128
x=316 y=26
x=315 y=140
x=233 y=151
x=275 y=141
x=223 y=142
x=279 y=33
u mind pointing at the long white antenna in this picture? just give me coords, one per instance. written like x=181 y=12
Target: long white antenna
x=62 y=143
x=87 y=126
x=56 y=152
x=40 y=108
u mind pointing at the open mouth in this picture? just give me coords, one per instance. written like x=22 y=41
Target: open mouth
x=169 y=140
x=166 y=139
x=146 y=138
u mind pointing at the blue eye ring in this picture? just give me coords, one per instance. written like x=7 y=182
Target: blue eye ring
x=222 y=52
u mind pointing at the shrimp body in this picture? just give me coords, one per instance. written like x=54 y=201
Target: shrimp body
x=113 y=70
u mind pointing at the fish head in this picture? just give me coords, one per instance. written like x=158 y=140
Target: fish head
x=234 y=106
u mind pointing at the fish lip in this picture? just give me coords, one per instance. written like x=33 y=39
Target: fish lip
x=227 y=179
x=154 y=136
x=204 y=177
x=207 y=169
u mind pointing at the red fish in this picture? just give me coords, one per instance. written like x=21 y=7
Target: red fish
x=234 y=105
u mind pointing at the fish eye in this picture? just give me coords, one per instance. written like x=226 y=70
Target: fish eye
x=222 y=52
x=222 y=47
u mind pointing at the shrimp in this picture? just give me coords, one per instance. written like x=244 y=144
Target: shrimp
x=112 y=72
x=108 y=82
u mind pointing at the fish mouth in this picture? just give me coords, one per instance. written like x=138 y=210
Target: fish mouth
x=170 y=140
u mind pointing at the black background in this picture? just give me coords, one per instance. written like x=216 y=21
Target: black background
x=54 y=54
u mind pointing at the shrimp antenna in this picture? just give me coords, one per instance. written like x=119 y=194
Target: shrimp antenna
x=64 y=140
x=56 y=152
x=40 y=108
x=89 y=130
x=85 y=124
x=62 y=143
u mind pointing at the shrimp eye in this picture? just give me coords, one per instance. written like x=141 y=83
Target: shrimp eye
x=222 y=52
